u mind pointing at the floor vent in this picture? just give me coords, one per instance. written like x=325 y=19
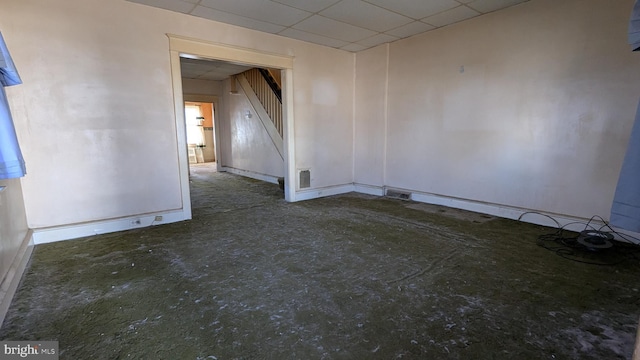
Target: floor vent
x=305 y=179
x=398 y=194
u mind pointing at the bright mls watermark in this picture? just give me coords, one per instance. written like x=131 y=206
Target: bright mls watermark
x=40 y=350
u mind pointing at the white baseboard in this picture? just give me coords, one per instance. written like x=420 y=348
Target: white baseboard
x=74 y=231
x=251 y=174
x=9 y=284
x=629 y=236
x=502 y=211
x=322 y=192
x=369 y=189
x=526 y=215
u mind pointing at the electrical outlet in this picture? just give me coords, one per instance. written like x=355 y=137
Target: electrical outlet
x=158 y=218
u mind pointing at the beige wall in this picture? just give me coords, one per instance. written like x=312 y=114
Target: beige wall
x=539 y=118
x=249 y=146
x=324 y=144
x=370 y=115
x=96 y=117
x=201 y=87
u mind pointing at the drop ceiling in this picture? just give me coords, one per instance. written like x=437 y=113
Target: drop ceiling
x=351 y=25
x=209 y=69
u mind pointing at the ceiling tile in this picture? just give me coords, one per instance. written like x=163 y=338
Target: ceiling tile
x=191 y=72
x=334 y=29
x=410 y=29
x=416 y=9
x=360 y=13
x=217 y=74
x=230 y=68
x=485 y=6
x=313 y=6
x=451 y=16
x=194 y=62
x=351 y=25
x=354 y=47
x=208 y=76
x=265 y=10
x=313 y=38
x=214 y=76
x=377 y=40
x=232 y=19
x=173 y=5
x=191 y=66
x=209 y=69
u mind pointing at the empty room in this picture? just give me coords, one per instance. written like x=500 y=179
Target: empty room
x=326 y=179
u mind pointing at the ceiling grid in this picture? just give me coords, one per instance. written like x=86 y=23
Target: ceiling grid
x=351 y=25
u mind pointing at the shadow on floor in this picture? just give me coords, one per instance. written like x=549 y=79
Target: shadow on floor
x=345 y=277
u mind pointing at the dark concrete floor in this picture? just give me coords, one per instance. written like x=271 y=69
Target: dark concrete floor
x=346 y=277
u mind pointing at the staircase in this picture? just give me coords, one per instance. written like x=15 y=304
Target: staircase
x=269 y=92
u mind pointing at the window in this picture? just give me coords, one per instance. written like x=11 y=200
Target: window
x=11 y=160
x=195 y=131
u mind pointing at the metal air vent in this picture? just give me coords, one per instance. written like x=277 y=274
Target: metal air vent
x=305 y=179
x=396 y=194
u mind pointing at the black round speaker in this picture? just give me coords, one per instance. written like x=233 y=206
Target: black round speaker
x=595 y=240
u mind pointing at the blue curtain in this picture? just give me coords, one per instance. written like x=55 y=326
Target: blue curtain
x=625 y=211
x=11 y=160
x=634 y=27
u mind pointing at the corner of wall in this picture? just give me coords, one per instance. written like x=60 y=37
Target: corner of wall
x=15 y=241
x=353 y=118
x=11 y=280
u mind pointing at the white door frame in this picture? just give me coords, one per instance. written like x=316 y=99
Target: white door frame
x=209 y=50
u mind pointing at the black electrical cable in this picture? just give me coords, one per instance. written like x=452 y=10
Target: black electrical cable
x=541 y=214
x=570 y=248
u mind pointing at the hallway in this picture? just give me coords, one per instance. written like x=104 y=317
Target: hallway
x=345 y=277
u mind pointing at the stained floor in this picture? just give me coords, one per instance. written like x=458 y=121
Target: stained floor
x=345 y=277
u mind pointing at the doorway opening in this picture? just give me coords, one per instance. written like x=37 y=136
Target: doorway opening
x=185 y=48
x=199 y=118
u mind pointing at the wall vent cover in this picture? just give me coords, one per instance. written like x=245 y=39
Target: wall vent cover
x=305 y=179
x=398 y=194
